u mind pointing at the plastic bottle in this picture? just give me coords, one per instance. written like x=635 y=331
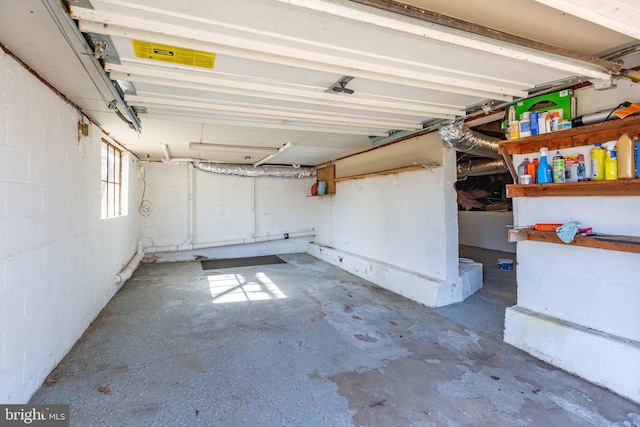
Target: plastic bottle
x=637 y=156
x=547 y=123
x=544 y=168
x=597 y=162
x=511 y=114
x=535 y=129
x=522 y=168
x=555 y=122
x=525 y=124
x=558 y=168
x=542 y=122
x=611 y=161
x=512 y=123
x=532 y=168
x=582 y=170
x=626 y=158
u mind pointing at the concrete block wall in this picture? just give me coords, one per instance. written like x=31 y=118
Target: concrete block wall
x=58 y=259
x=578 y=307
x=226 y=209
x=486 y=230
x=399 y=231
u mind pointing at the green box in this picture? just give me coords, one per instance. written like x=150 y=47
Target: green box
x=551 y=101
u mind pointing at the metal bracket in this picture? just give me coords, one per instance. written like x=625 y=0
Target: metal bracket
x=602 y=84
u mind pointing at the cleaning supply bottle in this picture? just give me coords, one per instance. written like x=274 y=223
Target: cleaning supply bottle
x=597 y=162
x=547 y=123
x=532 y=169
x=533 y=119
x=544 y=168
x=558 y=168
x=512 y=123
x=542 y=122
x=522 y=168
x=525 y=124
x=555 y=122
x=637 y=156
x=626 y=159
x=611 y=162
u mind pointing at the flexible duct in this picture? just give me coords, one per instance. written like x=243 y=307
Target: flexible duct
x=461 y=138
x=480 y=167
x=256 y=171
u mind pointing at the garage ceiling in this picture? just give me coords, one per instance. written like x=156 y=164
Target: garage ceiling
x=246 y=77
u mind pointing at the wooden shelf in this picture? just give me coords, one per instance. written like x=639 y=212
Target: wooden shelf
x=385 y=172
x=576 y=137
x=626 y=187
x=613 y=243
x=327 y=174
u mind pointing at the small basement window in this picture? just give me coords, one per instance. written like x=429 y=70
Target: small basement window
x=113 y=200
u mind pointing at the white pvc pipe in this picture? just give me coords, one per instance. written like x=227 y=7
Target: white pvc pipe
x=127 y=272
x=253 y=207
x=248 y=240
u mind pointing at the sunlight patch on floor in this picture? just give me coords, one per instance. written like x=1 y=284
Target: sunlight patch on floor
x=227 y=288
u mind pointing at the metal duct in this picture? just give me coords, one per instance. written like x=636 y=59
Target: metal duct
x=256 y=171
x=461 y=138
x=480 y=167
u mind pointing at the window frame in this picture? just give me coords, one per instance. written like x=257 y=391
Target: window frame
x=111 y=180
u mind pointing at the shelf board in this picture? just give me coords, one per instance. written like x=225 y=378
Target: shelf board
x=613 y=243
x=385 y=172
x=626 y=187
x=576 y=137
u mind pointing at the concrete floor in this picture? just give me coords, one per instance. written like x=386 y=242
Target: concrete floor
x=306 y=344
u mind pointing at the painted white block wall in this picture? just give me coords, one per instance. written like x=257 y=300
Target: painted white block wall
x=578 y=307
x=226 y=208
x=485 y=230
x=400 y=231
x=58 y=259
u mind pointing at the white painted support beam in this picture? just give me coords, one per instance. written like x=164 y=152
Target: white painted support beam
x=211 y=82
x=457 y=38
x=252 y=111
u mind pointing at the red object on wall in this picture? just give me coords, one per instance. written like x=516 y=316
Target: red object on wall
x=314 y=189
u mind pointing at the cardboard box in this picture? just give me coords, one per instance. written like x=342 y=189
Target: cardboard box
x=563 y=99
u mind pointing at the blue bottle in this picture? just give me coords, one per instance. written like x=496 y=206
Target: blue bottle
x=535 y=129
x=637 y=156
x=544 y=168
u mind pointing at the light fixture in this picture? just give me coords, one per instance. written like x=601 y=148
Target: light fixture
x=200 y=146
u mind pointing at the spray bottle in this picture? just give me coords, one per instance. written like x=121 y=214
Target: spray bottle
x=544 y=168
x=611 y=161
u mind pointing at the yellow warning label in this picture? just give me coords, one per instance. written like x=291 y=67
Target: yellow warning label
x=173 y=54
